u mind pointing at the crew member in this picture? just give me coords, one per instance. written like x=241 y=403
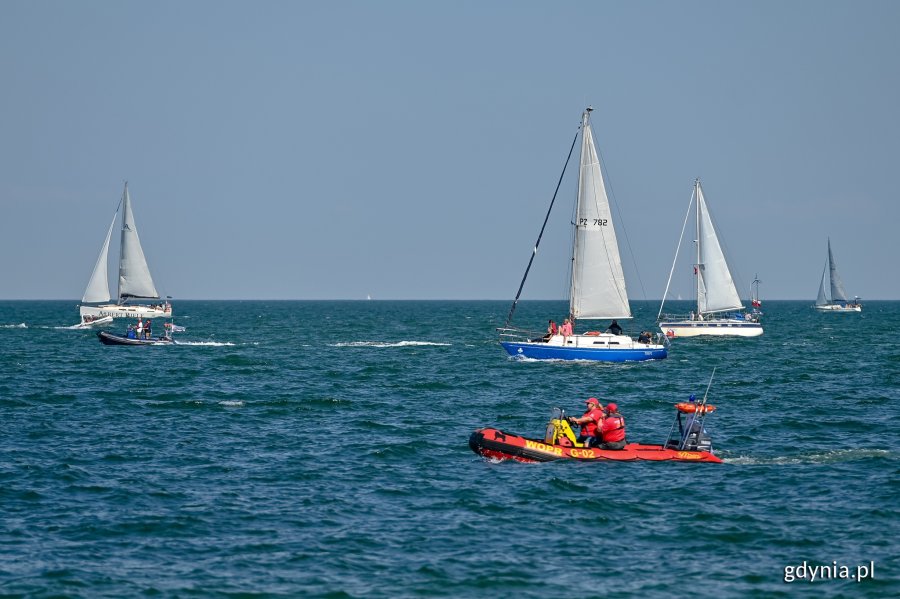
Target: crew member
x=589 y=421
x=612 y=429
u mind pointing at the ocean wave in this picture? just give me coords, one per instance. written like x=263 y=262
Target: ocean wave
x=21 y=325
x=826 y=457
x=388 y=344
x=231 y=403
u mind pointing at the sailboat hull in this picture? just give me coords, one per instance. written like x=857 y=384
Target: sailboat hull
x=724 y=327
x=127 y=311
x=838 y=308
x=629 y=351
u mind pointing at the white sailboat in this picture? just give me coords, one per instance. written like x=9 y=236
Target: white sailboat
x=838 y=301
x=134 y=277
x=597 y=290
x=719 y=309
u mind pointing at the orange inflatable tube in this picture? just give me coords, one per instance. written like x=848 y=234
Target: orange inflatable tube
x=690 y=408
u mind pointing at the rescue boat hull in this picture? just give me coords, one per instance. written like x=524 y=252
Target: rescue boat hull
x=499 y=445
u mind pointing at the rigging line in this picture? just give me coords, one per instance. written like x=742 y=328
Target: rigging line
x=541 y=234
x=675 y=259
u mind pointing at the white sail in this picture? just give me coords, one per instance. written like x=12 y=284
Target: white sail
x=98 y=286
x=820 y=299
x=716 y=290
x=598 y=283
x=134 y=274
x=837 y=287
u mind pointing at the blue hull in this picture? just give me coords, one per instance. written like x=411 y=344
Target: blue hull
x=541 y=351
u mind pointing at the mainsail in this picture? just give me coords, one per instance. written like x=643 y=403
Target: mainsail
x=598 y=283
x=715 y=288
x=134 y=274
x=837 y=287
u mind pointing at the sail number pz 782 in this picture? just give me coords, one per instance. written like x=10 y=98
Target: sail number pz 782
x=597 y=222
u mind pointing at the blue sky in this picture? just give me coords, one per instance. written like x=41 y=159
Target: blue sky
x=409 y=150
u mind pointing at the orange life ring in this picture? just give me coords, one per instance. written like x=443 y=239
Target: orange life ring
x=690 y=408
x=592 y=333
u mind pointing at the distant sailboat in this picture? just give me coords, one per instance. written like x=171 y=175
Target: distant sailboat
x=717 y=298
x=838 y=301
x=597 y=290
x=134 y=277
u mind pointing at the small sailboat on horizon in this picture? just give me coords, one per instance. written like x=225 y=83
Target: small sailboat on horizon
x=597 y=287
x=838 y=301
x=719 y=308
x=135 y=281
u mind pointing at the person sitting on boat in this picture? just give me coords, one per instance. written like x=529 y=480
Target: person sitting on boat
x=552 y=329
x=644 y=337
x=614 y=328
x=612 y=429
x=589 y=421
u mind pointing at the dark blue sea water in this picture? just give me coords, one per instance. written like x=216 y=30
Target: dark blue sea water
x=304 y=449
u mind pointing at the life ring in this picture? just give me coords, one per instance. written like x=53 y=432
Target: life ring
x=592 y=334
x=670 y=333
x=691 y=408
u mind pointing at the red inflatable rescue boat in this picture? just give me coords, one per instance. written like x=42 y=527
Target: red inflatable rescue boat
x=687 y=442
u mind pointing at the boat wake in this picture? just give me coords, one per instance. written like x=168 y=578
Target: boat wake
x=386 y=344
x=825 y=457
x=206 y=343
x=21 y=325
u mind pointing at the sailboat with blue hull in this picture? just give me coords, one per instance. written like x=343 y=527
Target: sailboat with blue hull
x=597 y=288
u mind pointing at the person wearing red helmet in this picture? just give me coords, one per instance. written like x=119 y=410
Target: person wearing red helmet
x=589 y=421
x=612 y=429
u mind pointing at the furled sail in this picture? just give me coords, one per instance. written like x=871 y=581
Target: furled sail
x=134 y=274
x=97 y=290
x=716 y=291
x=598 y=283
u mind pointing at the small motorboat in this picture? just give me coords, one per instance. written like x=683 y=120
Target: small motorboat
x=688 y=441
x=114 y=339
x=131 y=337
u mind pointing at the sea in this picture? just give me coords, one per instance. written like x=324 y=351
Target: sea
x=320 y=449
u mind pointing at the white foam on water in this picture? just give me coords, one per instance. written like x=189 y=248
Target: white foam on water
x=21 y=325
x=231 y=403
x=825 y=457
x=386 y=344
x=206 y=343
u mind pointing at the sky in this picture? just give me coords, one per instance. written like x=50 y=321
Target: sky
x=409 y=150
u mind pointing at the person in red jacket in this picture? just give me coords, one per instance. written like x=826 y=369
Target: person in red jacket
x=589 y=421
x=612 y=429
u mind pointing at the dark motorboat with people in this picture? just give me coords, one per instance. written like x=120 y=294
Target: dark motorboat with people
x=688 y=441
x=141 y=336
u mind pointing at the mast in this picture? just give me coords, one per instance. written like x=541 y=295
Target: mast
x=585 y=123
x=698 y=267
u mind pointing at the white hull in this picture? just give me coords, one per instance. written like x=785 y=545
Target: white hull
x=134 y=311
x=838 y=308
x=718 y=328
x=599 y=341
